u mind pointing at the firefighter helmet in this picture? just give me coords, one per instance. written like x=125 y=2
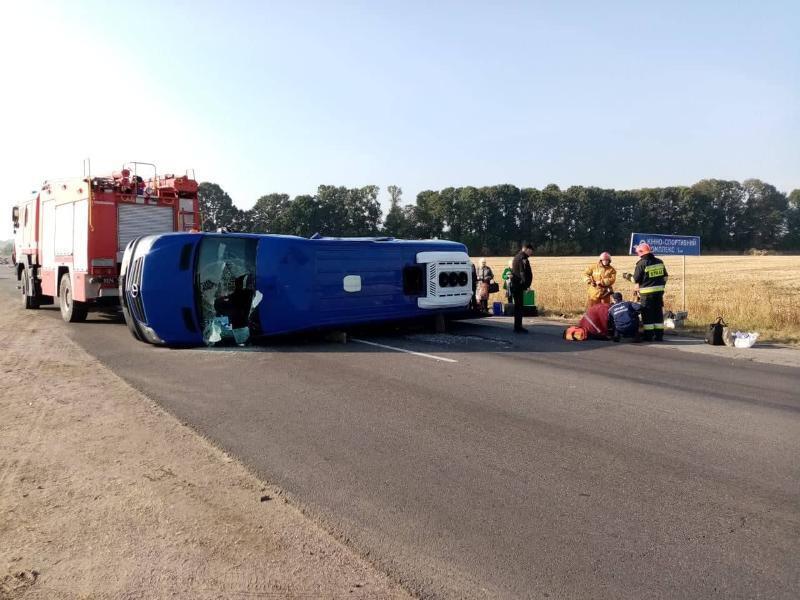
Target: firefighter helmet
x=605 y=256
x=643 y=248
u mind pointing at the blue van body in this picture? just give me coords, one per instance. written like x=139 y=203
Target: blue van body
x=173 y=287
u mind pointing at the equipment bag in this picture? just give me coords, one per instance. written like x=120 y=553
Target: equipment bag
x=575 y=334
x=714 y=333
x=494 y=287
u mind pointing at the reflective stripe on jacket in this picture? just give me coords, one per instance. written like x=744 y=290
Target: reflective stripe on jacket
x=651 y=274
x=595 y=320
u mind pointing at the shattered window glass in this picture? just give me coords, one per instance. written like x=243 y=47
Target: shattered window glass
x=225 y=286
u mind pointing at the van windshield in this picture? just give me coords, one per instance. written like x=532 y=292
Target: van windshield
x=225 y=277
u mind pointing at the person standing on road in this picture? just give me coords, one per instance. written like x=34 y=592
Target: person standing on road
x=506 y=276
x=485 y=277
x=650 y=277
x=473 y=303
x=623 y=319
x=521 y=279
x=600 y=278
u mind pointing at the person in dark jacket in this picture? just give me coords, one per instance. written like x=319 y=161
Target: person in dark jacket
x=521 y=279
x=650 y=277
x=473 y=303
x=623 y=318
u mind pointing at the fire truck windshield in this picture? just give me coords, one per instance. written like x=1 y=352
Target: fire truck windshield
x=225 y=276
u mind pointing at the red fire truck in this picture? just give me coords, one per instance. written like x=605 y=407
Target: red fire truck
x=69 y=237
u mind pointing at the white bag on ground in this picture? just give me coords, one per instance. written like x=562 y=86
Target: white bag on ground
x=727 y=336
x=744 y=340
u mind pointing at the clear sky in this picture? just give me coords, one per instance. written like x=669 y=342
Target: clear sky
x=281 y=97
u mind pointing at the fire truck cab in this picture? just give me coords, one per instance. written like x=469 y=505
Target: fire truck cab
x=69 y=237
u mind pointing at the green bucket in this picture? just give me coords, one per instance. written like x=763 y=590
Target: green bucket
x=529 y=298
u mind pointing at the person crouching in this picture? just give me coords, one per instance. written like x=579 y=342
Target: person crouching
x=623 y=319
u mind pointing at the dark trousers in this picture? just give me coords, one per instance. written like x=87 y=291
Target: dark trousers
x=629 y=332
x=653 y=315
x=517 y=293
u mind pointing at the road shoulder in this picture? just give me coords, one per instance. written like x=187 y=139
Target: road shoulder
x=105 y=495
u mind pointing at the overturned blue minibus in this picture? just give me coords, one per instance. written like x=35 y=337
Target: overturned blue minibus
x=207 y=288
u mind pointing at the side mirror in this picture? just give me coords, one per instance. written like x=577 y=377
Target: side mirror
x=15 y=217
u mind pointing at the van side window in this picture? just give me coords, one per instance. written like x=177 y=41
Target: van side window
x=413 y=280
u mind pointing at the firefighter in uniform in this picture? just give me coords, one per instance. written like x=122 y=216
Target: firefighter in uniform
x=600 y=278
x=650 y=277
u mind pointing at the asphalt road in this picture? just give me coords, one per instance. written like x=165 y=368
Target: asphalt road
x=488 y=465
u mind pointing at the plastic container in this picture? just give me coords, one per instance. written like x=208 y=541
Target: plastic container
x=529 y=298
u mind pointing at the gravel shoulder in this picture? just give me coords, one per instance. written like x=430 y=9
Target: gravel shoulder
x=105 y=495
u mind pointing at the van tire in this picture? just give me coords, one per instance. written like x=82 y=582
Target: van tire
x=29 y=298
x=72 y=311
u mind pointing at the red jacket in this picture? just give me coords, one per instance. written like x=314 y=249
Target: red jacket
x=595 y=321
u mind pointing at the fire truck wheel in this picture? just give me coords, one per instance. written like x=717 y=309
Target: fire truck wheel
x=29 y=298
x=72 y=311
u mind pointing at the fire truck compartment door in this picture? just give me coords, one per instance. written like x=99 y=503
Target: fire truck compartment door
x=65 y=228
x=143 y=219
x=49 y=232
x=80 y=240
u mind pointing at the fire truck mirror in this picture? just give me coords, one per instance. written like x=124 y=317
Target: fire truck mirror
x=15 y=217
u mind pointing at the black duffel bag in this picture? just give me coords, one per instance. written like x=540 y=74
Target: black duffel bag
x=494 y=287
x=714 y=333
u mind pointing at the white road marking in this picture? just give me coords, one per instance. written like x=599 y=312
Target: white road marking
x=441 y=358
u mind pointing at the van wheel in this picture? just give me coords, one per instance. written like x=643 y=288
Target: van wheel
x=72 y=311
x=29 y=298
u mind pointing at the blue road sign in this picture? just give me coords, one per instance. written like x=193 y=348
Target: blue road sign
x=681 y=245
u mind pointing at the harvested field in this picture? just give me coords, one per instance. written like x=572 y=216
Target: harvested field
x=755 y=293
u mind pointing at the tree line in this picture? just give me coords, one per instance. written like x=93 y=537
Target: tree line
x=494 y=220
